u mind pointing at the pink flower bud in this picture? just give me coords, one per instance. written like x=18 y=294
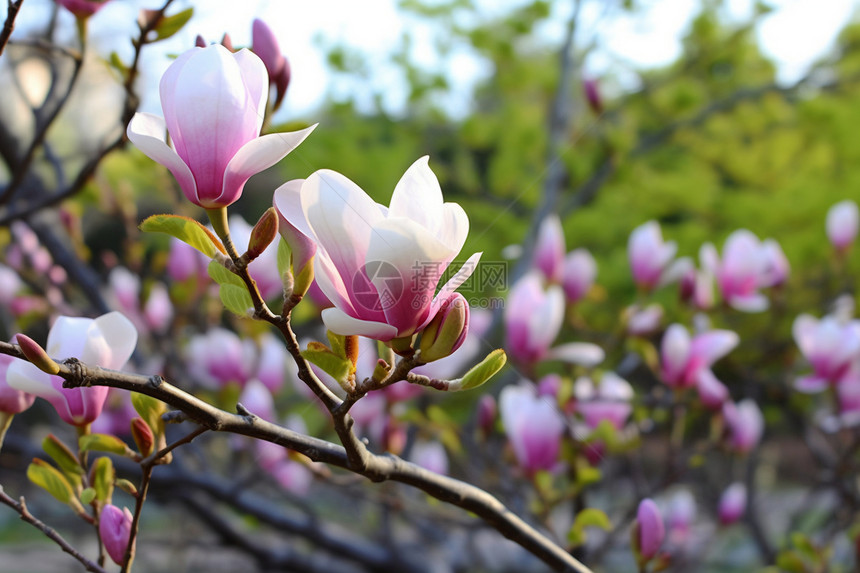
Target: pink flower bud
x=486 y=413
x=733 y=503
x=158 y=310
x=745 y=424
x=829 y=345
x=842 y=223
x=578 y=274
x=549 y=249
x=649 y=255
x=651 y=530
x=746 y=266
x=447 y=331
x=266 y=46
x=592 y=95
x=534 y=427
x=115 y=531
x=200 y=42
x=82 y=8
x=643 y=321
x=610 y=400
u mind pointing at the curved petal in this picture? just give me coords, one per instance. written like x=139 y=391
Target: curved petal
x=256 y=79
x=146 y=132
x=675 y=353
x=712 y=345
x=68 y=337
x=258 y=154
x=407 y=249
x=803 y=329
x=27 y=378
x=418 y=196
x=455 y=226
x=583 y=353
x=121 y=336
x=292 y=223
x=166 y=90
x=341 y=323
x=811 y=384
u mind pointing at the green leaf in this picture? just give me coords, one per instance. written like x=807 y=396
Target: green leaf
x=233 y=292
x=588 y=517
x=186 y=230
x=172 y=24
x=150 y=410
x=335 y=366
x=117 y=63
x=587 y=475
x=104 y=477
x=62 y=455
x=88 y=495
x=337 y=342
x=284 y=255
x=486 y=369
x=50 y=479
x=103 y=443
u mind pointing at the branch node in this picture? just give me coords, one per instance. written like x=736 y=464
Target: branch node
x=174 y=417
x=245 y=413
x=78 y=374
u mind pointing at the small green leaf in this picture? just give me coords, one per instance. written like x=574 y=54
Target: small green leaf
x=186 y=230
x=284 y=255
x=588 y=517
x=117 y=63
x=50 y=479
x=103 y=478
x=335 y=366
x=62 y=455
x=234 y=294
x=222 y=276
x=88 y=495
x=103 y=443
x=337 y=342
x=150 y=410
x=172 y=24
x=587 y=475
x=483 y=371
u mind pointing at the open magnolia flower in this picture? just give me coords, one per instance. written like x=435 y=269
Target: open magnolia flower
x=107 y=341
x=213 y=102
x=379 y=266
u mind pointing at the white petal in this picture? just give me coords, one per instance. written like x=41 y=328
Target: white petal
x=256 y=80
x=25 y=377
x=147 y=133
x=261 y=153
x=750 y=303
x=418 y=196
x=341 y=323
x=582 y=353
x=121 y=336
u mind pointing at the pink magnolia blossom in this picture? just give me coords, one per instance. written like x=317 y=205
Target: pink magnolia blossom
x=213 y=102
x=684 y=360
x=125 y=289
x=220 y=357
x=549 y=249
x=643 y=321
x=829 y=345
x=745 y=424
x=12 y=401
x=578 y=274
x=592 y=95
x=650 y=256
x=486 y=413
x=842 y=224
x=258 y=400
x=274 y=364
x=609 y=400
x=651 y=529
x=107 y=341
x=733 y=503
x=83 y=8
x=379 y=266
x=746 y=266
x=534 y=427
x=115 y=531
x=712 y=393
x=533 y=317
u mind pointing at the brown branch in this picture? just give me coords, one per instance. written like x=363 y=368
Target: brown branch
x=50 y=533
x=377 y=468
x=9 y=25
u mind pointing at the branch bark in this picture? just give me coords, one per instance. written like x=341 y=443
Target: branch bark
x=11 y=13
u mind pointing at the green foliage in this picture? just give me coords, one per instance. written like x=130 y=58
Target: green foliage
x=333 y=364
x=234 y=294
x=588 y=517
x=172 y=24
x=186 y=230
x=103 y=443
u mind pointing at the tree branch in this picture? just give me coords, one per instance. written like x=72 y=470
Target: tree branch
x=378 y=468
x=50 y=533
x=9 y=25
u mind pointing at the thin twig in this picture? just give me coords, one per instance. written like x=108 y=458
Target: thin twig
x=9 y=25
x=50 y=533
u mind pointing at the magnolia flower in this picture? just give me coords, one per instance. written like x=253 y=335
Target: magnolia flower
x=747 y=265
x=777 y=267
x=107 y=341
x=258 y=400
x=10 y=284
x=684 y=361
x=115 y=531
x=266 y=46
x=745 y=424
x=610 y=400
x=12 y=401
x=643 y=321
x=650 y=257
x=533 y=425
x=549 y=248
x=82 y=8
x=213 y=102
x=650 y=529
x=220 y=357
x=533 y=317
x=733 y=503
x=829 y=345
x=592 y=95
x=379 y=267
x=578 y=274
x=842 y=223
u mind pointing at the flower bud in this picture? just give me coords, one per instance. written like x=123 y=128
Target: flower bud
x=265 y=45
x=842 y=224
x=143 y=437
x=227 y=42
x=446 y=331
x=263 y=233
x=733 y=503
x=37 y=355
x=549 y=248
x=115 y=531
x=83 y=8
x=649 y=530
x=486 y=413
x=592 y=95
